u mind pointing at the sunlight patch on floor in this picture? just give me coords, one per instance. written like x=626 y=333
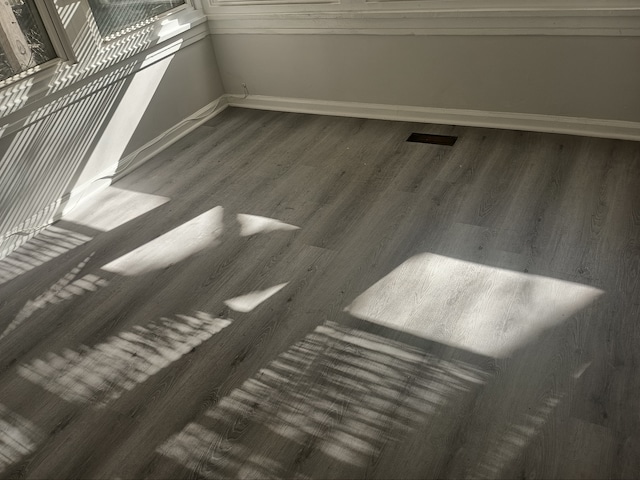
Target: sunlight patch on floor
x=67 y=287
x=475 y=307
x=342 y=390
x=201 y=232
x=18 y=438
x=50 y=243
x=248 y=302
x=253 y=224
x=102 y=373
x=113 y=207
x=188 y=446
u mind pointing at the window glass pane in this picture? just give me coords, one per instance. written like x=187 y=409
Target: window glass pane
x=113 y=16
x=23 y=39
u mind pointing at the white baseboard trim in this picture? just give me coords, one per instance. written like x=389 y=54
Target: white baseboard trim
x=20 y=234
x=474 y=118
x=143 y=154
x=171 y=136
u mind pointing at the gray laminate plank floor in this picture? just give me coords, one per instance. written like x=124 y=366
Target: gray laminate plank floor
x=281 y=295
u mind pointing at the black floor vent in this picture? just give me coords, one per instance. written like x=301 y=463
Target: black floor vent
x=432 y=139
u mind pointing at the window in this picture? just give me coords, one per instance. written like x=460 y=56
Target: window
x=24 y=42
x=113 y=16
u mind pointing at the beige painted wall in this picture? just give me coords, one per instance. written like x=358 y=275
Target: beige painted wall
x=575 y=76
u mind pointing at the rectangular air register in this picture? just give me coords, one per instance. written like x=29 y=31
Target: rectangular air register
x=432 y=139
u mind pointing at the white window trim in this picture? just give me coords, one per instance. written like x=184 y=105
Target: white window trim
x=425 y=17
x=55 y=33
x=21 y=94
x=144 y=23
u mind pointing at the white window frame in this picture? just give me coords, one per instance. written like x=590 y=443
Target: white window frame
x=83 y=54
x=137 y=26
x=55 y=32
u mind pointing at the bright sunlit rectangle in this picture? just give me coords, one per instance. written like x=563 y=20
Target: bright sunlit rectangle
x=113 y=207
x=172 y=247
x=476 y=307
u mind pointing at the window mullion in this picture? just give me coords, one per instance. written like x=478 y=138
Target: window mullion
x=57 y=33
x=13 y=42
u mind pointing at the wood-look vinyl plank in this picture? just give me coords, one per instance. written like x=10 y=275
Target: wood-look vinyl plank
x=471 y=155
x=587 y=448
x=536 y=193
x=419 y=167
x=335 y=221
x=209 y=370
x=497 y=180
x=581 y=212
x=189 y=148
x=609 y=388
x=157 y=372
x=626 y=462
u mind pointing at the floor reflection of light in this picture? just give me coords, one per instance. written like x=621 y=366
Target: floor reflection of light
x=18 y=437
x=468 y=305
x=112 y=207
x=248 y=302
x=104 y=372
x=47 y=245
x=346 y=391
x=174 y=246
x=252 y=224
x=65 y=288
